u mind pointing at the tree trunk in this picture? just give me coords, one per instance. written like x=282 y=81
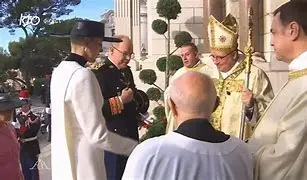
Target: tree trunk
x=168 y=53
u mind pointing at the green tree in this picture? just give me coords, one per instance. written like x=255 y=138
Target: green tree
x=169 y=10
x=47 y=11
x=44 y=53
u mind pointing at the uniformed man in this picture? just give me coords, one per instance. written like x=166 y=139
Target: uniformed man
x=119 y=109
x=230 y=79
x=29 y=146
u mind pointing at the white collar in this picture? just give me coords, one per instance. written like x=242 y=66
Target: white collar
x=299 y=63
x=239 y=61
x=197 y=64
x=226 y=74
x=113 y=62
x=26 y=113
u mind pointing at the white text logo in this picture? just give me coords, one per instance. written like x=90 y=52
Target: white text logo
x=29 y=20
x=41 y=165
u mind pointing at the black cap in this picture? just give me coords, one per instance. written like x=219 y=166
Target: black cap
x=8 y=103
x=142 y=101
x=91 y=29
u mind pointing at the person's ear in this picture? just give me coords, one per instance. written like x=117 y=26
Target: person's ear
x=197 y=55
x=172 y=106
x=111 y=50
x=294 y=30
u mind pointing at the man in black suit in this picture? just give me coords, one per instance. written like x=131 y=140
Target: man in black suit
x=120 y=110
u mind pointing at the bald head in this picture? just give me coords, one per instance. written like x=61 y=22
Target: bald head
x=193 y=95
x=120 y=53
x=125 y=40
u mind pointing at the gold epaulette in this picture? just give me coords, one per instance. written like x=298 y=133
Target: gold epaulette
x=96 y=65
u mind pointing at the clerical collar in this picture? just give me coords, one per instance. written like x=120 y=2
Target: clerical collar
x=299 y=63
x=77 y=58
x=195 y=65
x=202 y=130
x=226 y=74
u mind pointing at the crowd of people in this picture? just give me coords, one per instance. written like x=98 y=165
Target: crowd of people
x=95 y=112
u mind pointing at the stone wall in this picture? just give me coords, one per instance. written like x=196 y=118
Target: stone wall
x=190 y=19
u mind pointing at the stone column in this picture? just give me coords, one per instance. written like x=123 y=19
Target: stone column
x=136 y=28
x=257 y=6
x=143 y=24
x=215 y=8
x=122 y=17
x=136 y=32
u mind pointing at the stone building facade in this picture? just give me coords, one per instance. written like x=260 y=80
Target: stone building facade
x=194 y=19
x=109 y=28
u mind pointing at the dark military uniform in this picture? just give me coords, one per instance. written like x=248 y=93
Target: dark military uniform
x=29 y=145
x=112 y=81
x=120 y=120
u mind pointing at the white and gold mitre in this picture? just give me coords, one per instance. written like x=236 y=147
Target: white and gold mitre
x=223 y=36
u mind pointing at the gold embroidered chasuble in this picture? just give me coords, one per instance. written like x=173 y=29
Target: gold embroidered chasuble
x=227 y=116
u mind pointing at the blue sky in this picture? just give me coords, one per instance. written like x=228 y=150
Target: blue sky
x=90 y=9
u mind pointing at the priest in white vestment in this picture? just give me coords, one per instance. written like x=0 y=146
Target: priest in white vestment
x=195 y=151
x=190 y=58
x=279 y=142
x=80 y=135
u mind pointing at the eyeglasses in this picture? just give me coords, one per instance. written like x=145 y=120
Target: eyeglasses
x=219 y=58
x=127 y=55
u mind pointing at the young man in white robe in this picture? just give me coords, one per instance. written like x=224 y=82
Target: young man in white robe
x=80 y=135
x=195 y=150
x=279 y=142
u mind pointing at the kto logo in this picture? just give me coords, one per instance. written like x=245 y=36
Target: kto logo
x=29 y=20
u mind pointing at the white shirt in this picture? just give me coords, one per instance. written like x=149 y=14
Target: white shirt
x=299 y=63
x=226 y=74
x=178 y=157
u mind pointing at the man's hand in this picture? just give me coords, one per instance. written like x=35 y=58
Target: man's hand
x=127 y=95
x=247 y=97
